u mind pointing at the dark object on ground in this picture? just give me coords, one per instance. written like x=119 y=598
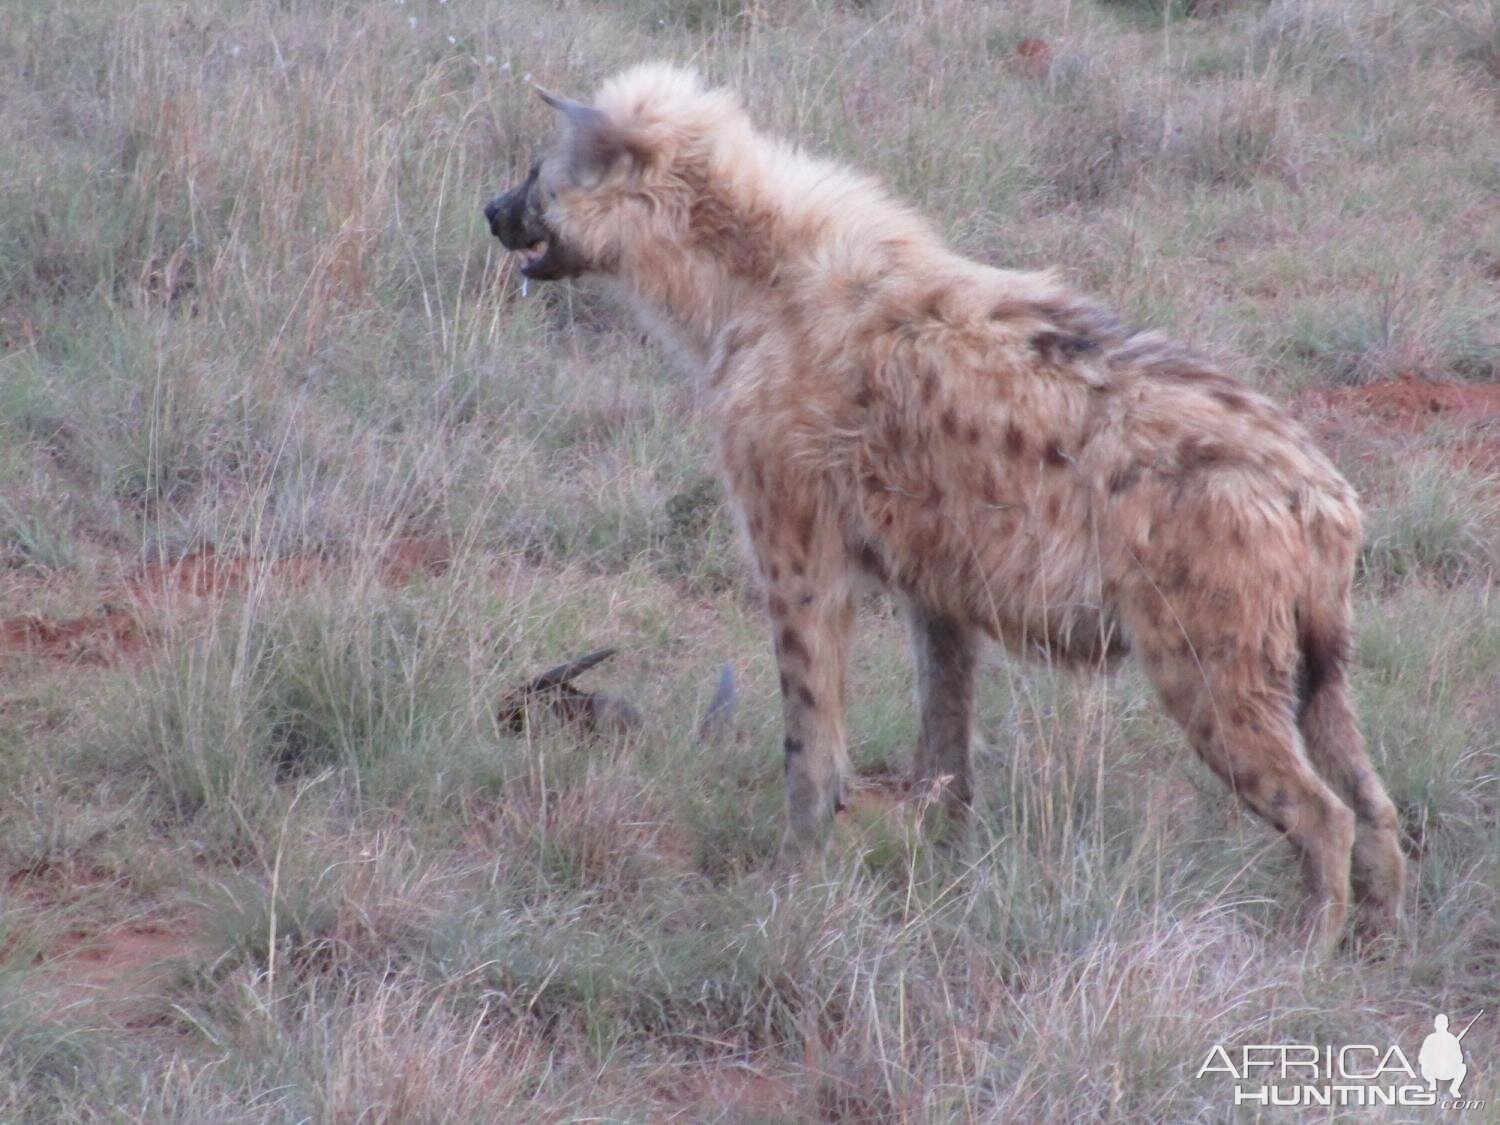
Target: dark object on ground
x=553 y=691
x=718 y=719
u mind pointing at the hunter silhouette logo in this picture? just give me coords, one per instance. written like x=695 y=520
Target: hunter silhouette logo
x=1355 y=1074
x=1441 y=1057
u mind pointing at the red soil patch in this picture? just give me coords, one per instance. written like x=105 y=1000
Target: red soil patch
x=1412 y=404
x=1033 y=58
x=1407 y=406
x=886 y=802
x=207 y=574
x=876 y=793
x=748 y=1093
x=96 y=638
x=121 y=968
x=17 y=330
x=122 y=626
x=47 y=882
x=116 y=969
x=727 y=1092
x=412 y=557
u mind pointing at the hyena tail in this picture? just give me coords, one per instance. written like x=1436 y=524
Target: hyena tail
x=1337 y=751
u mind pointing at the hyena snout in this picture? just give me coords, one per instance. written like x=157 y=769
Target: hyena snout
x=507 y=215
x=516 y=219
x=492 y=212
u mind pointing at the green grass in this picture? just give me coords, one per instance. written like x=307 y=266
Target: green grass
x=248 y=305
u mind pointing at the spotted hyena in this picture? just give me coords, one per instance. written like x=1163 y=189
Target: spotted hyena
x=1003 y=454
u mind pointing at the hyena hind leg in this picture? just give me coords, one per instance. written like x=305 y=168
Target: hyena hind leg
x=945 y=652
x=1338 y=753
x=1249 y=739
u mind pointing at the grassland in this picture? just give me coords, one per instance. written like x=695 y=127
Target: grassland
x=295 y=484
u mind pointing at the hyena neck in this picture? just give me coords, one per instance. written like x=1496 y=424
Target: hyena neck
x=684 y=303
x=766 y=238
x=683 y=348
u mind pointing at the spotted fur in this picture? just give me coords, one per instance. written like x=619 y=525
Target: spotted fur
x=1005 y=455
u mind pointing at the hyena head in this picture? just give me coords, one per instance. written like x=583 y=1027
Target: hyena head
x=616 y=188
x=518 y=218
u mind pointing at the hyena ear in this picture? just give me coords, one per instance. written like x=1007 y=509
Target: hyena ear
x=597 y=142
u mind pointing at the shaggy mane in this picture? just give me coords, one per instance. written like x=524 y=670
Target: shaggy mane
x=814 y=203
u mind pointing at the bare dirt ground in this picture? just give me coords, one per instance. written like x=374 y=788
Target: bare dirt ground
x=131 y=613
x=117 y=969
x=120 y=969
x=1409 y=406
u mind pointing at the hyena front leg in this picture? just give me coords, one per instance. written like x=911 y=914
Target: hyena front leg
x=807 y=573
x=945 y=652
x=812 y=629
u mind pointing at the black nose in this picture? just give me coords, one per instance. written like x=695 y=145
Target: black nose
x=491 y=209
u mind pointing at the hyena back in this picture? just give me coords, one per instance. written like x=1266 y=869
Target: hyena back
x=1001 y=453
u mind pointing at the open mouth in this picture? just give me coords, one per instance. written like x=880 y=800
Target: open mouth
x=532 y=256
